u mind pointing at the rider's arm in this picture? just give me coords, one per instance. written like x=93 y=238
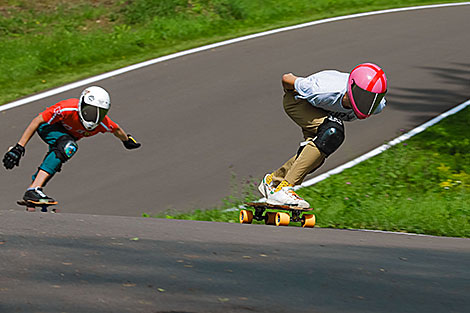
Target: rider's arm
x=127 y=140
x=29 y=132
x=120 y=133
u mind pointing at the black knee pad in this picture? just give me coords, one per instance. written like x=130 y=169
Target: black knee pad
x=65 y=147
x=330 y=135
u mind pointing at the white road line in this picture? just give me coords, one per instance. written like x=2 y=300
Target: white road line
x=384 y=147
x=400 y=233
x=208 y=47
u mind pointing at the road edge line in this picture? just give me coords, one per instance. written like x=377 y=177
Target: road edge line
x=384 y=147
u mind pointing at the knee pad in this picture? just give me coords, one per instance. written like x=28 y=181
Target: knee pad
x=65 y=147
x=330 y=135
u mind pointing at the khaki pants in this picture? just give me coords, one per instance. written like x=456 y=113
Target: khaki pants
x=308 y=118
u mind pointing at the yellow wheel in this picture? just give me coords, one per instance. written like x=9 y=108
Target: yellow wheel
x=308 y=220
x=246 y=217
x=282 y=219
x=270 y=218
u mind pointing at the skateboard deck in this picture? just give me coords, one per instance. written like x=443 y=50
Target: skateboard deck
x=279 y=215
x=31 y=207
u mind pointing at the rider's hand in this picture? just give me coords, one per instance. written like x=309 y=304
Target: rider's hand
x=13 y=156
x=131 y=143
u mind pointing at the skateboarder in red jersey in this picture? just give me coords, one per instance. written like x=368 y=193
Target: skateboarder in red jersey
x=61 y=126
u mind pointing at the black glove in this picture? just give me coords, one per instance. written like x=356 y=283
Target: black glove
x=131 y=143
x=13 y=156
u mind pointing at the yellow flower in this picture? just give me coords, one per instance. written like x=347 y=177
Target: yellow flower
x=443 y=168
x=446 y=184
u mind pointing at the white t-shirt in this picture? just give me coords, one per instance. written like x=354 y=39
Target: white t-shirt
x=325 y=90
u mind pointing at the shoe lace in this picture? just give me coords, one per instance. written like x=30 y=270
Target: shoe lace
x=291 y=192
x=39 y=191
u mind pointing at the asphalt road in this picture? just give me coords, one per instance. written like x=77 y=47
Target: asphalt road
x=206 y=116
x=86 y=264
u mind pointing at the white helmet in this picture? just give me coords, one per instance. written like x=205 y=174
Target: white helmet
x=93 y=106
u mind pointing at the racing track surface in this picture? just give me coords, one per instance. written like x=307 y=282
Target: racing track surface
x=206 y=115
x=197 y=117
x=80 y=263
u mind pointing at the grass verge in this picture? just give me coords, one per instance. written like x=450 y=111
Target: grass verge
x=419 y=186
x=47 y=43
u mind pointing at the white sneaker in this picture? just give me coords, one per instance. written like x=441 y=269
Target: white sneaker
x=266 y=188
x=287 y=196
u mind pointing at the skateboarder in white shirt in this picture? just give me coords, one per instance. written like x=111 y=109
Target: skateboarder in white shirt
x=319 y=104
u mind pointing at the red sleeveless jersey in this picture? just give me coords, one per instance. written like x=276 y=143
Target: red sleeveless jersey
x=65 y=112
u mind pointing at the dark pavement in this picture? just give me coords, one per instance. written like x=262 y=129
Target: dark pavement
x=83 y=263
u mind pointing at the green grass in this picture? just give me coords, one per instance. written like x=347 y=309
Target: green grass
x=420 y=186
x=47 y=43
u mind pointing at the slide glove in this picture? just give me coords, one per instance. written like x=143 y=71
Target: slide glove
x=131 y=143
x=13 y=156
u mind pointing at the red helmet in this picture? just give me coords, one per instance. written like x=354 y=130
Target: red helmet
x=367 y=85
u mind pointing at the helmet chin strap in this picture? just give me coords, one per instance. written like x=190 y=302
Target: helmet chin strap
x=90 y=127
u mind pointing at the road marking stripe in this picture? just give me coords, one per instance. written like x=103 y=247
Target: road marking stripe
x=208 y=47
x=384 y=147
x=399 y=233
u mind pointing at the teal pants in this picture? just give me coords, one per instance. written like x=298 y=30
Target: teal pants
x=51 y=135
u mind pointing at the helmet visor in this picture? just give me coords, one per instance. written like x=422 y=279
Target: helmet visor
x=366 y=101
x=92 y=114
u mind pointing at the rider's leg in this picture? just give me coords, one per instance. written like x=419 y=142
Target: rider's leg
x=309 y=119
x=41 y=179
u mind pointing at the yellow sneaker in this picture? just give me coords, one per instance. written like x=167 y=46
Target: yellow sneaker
x=266 y=186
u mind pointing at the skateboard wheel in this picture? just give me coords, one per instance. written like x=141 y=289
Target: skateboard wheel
x=282 y=219
x=270 y=218
x=308 y=220
x=30 y=209
x=246 y=216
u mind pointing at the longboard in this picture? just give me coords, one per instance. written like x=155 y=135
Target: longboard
x=279 y=215
x=31 y=207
